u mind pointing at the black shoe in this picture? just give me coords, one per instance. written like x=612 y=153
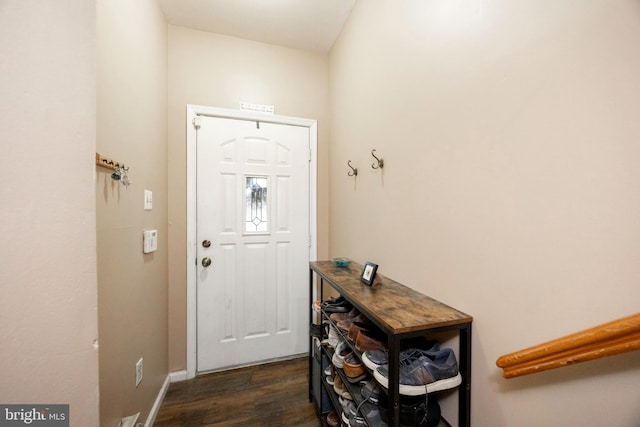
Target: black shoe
x=421 y=411
x=340 y=306
x=334 y=300
x=319 y=331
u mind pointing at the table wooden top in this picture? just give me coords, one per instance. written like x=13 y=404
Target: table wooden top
x=396 y=308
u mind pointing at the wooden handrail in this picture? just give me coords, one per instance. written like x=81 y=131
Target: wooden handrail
x=611 y=338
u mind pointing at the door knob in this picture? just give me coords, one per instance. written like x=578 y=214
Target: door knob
x=206 y=243
x=206 y=262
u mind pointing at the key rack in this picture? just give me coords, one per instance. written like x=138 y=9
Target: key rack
x=119 y=169
x=108 y=163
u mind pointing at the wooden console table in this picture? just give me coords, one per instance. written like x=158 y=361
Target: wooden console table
x=401 y=313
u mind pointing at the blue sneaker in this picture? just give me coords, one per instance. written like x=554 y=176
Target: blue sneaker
x=373 y=359
x=421 y=374
x=371 y=391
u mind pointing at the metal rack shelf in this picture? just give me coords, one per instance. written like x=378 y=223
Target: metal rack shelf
x=401 y=313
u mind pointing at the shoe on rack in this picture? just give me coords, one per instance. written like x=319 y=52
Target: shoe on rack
x=357 y=325
x=354 y=418
x=353 y=368
x=342 y=350
x=338 y=385
x=337 y=317
x=357 y=420
x=371 y=415
x=333 y=300
x=333 y=419
x=421 y=411
x=347 y=406
x=373 y=359
x=371 y=391
x=318 y=331
x=370 y=340
x=420 y=374
x=345 y=323
x=329 y=374
x=328 y=371
x=339 y=388
x=339 y=308
x=340 y=305
x=333 y=337
x=345 y=418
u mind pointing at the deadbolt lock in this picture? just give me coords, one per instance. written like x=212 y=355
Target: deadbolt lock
x=206 y=243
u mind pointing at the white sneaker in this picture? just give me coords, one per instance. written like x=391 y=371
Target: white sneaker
x=342 y=350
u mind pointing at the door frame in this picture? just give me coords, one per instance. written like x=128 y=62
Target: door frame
x=194 y=111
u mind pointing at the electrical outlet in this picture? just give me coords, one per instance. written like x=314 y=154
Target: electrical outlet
x=139 y=366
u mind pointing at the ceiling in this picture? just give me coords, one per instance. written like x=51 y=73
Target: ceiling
x=301 y=24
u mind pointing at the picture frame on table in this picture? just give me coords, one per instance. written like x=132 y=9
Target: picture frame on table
x=368 y=273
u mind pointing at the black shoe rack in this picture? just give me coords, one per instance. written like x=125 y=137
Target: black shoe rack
x=402 y=314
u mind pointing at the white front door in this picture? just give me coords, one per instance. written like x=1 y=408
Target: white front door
x=253 y=225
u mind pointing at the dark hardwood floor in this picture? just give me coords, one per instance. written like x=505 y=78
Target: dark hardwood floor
x=274 y=394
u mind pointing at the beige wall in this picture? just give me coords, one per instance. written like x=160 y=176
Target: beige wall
x=219 y=71
x=131 y=128
x=48 y=320
x=510 y=189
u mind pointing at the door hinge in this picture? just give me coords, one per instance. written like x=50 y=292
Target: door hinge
x=196 y=122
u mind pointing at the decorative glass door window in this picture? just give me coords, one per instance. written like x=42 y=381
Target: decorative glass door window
x=257 y=204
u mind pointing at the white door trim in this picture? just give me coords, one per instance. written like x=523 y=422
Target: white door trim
x=194 y=111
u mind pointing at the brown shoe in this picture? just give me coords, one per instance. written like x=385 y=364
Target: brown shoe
x=333 y=419
x=339 y=388
x=337 y=385
x=345 y=324
x=337 y=317
x=370 y=340
x=354 y=369
x=355 y=328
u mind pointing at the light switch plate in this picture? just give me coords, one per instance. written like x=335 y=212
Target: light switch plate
x=148 y=200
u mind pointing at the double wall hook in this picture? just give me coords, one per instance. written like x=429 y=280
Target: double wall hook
x=379 y=163
x=353 y=171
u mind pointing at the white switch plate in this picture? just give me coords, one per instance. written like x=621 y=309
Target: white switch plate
x=148 y=200
x=150 y=241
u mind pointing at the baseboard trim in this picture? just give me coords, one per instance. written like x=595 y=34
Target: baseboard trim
x=156 y=405
x=177 y=376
